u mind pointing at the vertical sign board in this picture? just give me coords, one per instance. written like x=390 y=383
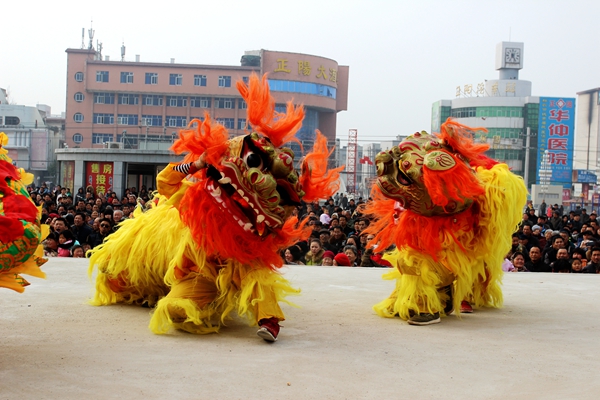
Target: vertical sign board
x=68 y=174
x=99 y=175
x=556 y=134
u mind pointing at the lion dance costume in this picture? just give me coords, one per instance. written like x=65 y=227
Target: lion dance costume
x=21 y=232
x=458 y=209
x=211 y=243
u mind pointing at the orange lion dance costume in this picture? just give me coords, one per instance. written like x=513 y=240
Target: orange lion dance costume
x=459 y=209
x=211 y=244
x=21 y=232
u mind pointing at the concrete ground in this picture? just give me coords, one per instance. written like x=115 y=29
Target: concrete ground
x=542 y=344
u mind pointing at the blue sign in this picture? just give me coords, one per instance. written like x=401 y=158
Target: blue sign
x=556 y=134
x=584 y=176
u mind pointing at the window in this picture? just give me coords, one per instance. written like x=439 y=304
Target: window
x=152 y=120
x=107 y=119
x=303 y=87
x=132 y=99
x=224 y=81
x=176 y=101
x=79 y=76
x=245 y=79
x=78 y=138
x=151 y=78
x=221 y=102
x=152 y=100
x=241 y=123
x=127 y=119
x=200 y=102
x=228 y=123
x=126 y=77
x=242 y=104
x=104 y=98
x=12 y=121
x=176 y=121
x=175 y=79
x=79 y=97
x=101 y=76
x=78 y=117
x=99 y=138
x=199 y=80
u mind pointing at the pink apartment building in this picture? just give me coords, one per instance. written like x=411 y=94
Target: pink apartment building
x=152 y=100
x=122 y=116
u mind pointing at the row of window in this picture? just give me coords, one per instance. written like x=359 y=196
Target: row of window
x=8 y=120
x=151 y=78
x=155 y=120
x=470 y=112
x=157 y=100
x=505 y=133
x=303 y=87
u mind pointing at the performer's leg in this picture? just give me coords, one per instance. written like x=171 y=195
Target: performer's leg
x=187 y=307
x=421 y=291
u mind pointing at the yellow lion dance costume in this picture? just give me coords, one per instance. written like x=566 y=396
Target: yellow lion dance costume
x=21 y=231
x=458 y=209
x=211 y=243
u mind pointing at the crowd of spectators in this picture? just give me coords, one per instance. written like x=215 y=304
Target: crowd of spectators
x=82 y=221
x=337 y=238
x=547 y=240
x=552 y=240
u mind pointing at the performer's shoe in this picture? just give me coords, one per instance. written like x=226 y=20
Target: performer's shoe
x=424 y=319
x=449 y=307
x=465 y=307
x=269 y=329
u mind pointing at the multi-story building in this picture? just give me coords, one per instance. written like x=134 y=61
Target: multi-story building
x=521 y=127
x=31 y=143
x=120 y=101
x=140 y=106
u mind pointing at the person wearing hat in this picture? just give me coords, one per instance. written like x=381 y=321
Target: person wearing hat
x=324 y=236
x=532 y=240
x=341 y=260
x=328 y=257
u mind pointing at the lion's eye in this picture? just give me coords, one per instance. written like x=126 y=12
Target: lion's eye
x=253 y=160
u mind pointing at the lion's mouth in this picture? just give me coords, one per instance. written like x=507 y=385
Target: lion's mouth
x=245 y=206
x=403 y=179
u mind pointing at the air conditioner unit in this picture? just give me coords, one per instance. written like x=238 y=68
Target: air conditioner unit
x=113 y=145
x=515 y=141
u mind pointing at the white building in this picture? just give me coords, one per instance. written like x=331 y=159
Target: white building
x=31 y=144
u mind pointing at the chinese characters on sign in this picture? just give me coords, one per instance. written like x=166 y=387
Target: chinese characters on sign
x=68 y=174
x=556 y=134
x=99 y=175
x=306 y=69
x=469 y=91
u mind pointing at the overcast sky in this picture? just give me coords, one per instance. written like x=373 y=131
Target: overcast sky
x=403 y=55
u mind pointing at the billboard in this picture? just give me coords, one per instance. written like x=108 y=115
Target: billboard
x=556 y=134
x=583 y=176
x=99 y=175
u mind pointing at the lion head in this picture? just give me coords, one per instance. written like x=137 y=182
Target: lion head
x=433 y=175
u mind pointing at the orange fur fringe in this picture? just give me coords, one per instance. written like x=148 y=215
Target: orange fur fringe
x=460 y=138
x=280 y=128
x=318 y=182
x=458 y=183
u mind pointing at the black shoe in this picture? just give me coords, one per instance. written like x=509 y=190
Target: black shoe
x=425 y=319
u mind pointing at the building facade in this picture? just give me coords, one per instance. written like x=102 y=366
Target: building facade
x=31 y=139
x=141 y=105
